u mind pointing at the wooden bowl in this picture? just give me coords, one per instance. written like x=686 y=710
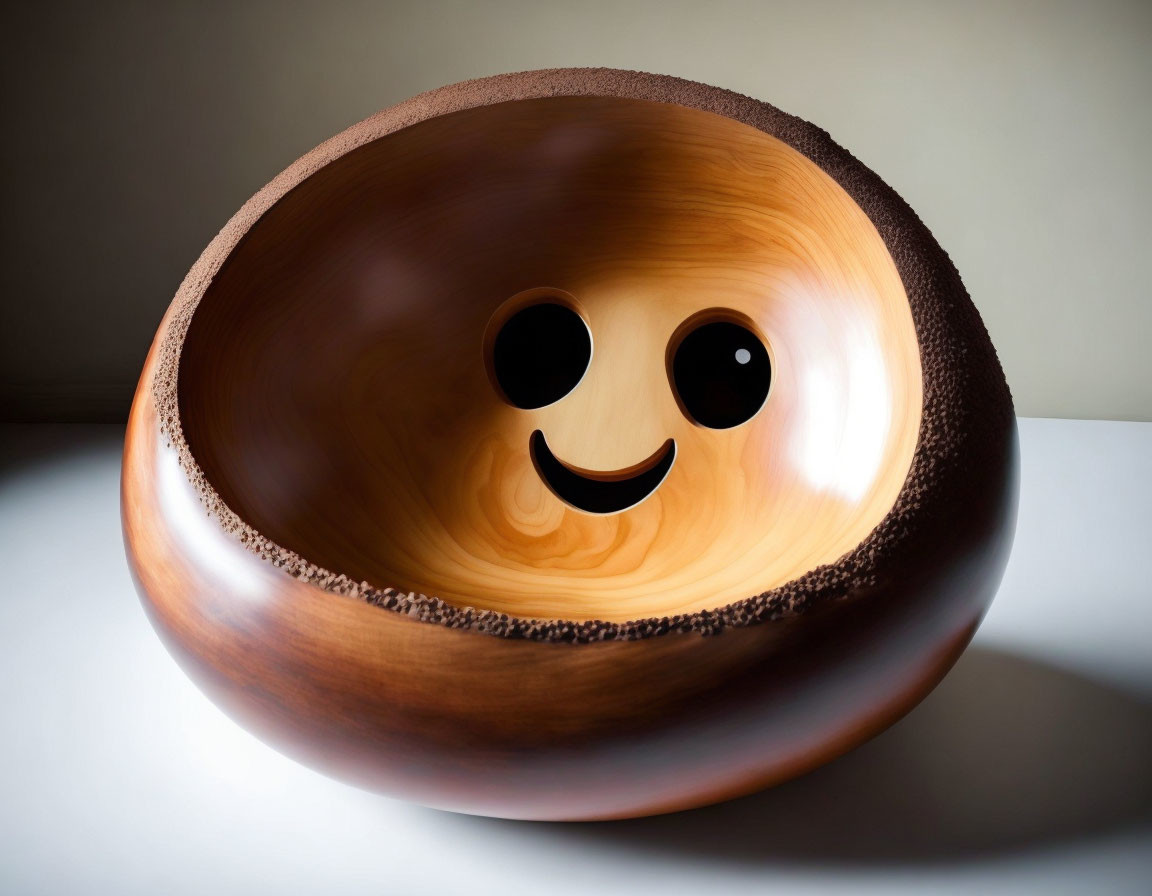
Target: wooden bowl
x=571 y=444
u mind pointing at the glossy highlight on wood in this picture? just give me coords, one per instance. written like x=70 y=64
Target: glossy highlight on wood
x=324 y=382
x=332 y=386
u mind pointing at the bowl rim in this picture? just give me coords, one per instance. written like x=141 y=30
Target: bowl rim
x=966 y=401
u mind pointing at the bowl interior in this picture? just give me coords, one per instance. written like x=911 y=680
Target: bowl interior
x=484 y=358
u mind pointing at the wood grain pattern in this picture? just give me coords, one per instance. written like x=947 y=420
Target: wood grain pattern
x=465 y=721
x=332 y=389
x=333 y=382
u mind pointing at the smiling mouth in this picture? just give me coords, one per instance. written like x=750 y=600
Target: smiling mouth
x=607 y=491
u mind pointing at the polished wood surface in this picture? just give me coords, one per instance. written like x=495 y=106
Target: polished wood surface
x=461 y=720
x=335 y=387
x=333 y=384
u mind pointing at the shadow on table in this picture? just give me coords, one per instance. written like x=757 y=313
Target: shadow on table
x=1008 y=754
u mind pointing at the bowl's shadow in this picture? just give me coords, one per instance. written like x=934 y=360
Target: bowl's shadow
x=1007 y=754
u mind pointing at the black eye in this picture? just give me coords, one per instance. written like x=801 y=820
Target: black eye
x=540 y=354
x=721 y=373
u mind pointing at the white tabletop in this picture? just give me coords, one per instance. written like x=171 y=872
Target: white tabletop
x=1028 y=769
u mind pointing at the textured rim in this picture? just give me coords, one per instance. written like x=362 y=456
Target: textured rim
x=966 y=399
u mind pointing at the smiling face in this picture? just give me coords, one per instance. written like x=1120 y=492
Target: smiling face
x=539 y=348
x=571 y=357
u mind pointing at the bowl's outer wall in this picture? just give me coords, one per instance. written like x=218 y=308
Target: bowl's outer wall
x=463 y=720
x=467 y=721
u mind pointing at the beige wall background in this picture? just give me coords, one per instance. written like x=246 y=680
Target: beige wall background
x=1020 y=131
